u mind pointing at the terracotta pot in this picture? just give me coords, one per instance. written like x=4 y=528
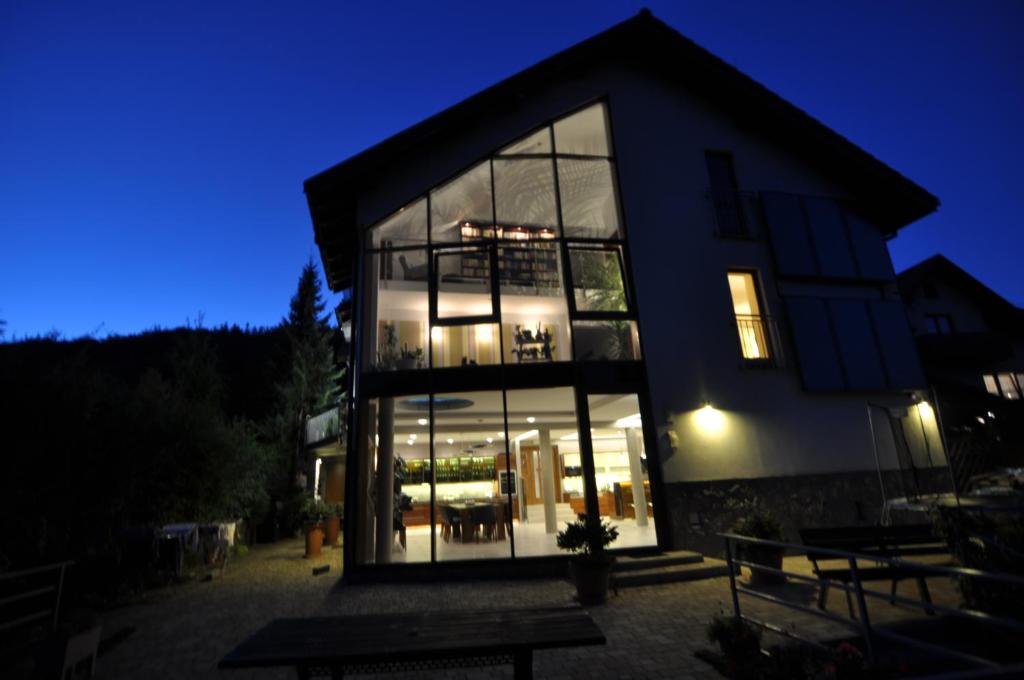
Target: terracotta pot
x=591 y=578
x=332 y=529
x=769 y=556
x=314 y=539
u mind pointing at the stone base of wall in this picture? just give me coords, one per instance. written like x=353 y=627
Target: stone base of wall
x=700 y=510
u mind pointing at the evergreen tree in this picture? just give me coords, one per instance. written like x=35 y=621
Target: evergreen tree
x=309 y=383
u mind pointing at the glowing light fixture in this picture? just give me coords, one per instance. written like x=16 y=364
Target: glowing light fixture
x=422 y=421
x=483 y=334
x=629 y=421
x=709 y=420
x=925 y=409
x=490 y=440
x=531 y=419
x=435 y=333
x=413 y=436
x=450 y=440
x=526 y=435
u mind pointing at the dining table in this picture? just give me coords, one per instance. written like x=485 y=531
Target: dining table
x=465 y=510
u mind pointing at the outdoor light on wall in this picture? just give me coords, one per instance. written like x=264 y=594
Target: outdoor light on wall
x=925 y=409
x=709 y=420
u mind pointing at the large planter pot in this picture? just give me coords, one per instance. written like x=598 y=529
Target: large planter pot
x=769 y=556
x=314 y=539
x=332 y=529
x=591 y=578
x=407 y=364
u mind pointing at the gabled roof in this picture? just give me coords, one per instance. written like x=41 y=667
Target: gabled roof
x=888 y=198
x=999 y=312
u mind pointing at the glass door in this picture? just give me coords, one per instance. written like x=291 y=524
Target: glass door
x=620 y=467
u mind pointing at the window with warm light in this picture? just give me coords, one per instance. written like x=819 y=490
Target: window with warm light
x=749 y=320
x=1005 y=385
x=474 y=271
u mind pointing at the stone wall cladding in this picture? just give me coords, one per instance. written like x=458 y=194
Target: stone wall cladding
x=700 y=510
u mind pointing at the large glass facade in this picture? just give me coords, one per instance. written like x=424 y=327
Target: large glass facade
x=519 y=260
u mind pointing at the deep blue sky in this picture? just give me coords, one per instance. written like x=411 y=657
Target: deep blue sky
x=152 y=154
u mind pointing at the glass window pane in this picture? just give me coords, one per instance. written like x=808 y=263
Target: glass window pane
x=1008 y=385
x=538 y=142
x=465 y=345
x=749 y=323
x=463 y=283
x=466 y=199
x=397 y=528
x=534 y=311
x=584 y=133
x=474 y=514
x=612 y=340
x=407 y=227
x=544 y=445
x=620 y=468
x=990 y=384
x=587 y=192
x=524 y=192
x=597 y=280
x=396 y=327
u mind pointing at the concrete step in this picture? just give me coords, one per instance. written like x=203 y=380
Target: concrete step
x=708 y=568
x=665 y=559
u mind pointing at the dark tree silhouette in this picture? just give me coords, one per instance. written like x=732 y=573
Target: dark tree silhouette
x=309 y=383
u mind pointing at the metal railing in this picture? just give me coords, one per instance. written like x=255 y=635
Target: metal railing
x=861 y=621
x=34 y=595
x=736 y=214
x=759 y=340
x=325 y=426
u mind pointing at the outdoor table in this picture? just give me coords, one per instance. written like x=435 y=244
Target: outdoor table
x=414 y=641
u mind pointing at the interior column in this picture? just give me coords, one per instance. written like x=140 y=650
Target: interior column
x=634 y=446
x=520 y=487
x=547 y=471
x=385 y=484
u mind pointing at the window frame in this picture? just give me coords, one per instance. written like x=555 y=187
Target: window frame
x=488 y=246
x=771 y=345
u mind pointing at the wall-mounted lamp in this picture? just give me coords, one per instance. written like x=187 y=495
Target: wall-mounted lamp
x=708 y=419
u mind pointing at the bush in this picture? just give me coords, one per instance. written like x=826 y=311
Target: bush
x=738 y=640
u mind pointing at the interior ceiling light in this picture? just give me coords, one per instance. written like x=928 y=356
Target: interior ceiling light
x=450 y=440
x=422 y=421
x=530 y=419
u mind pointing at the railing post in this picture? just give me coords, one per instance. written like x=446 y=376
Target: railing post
x=60 y=590
x=732 y=577
x=862 y=607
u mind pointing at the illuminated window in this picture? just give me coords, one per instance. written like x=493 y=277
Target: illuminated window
x=1005 y=385
x=749 y=321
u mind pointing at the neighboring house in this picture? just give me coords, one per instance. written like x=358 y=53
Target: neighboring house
x=628 y=281
x=971 y=343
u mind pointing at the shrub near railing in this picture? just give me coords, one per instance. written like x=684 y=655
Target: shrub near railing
x=991 y=540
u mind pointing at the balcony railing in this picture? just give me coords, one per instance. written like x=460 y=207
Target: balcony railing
x=736 y=214
x=759 y=341
x=325 y=427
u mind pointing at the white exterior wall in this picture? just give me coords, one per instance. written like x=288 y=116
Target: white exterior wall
x=688 y=335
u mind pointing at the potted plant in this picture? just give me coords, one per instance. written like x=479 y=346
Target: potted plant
x=409 y=359
x=388 y=354
x=759 y=523
x=332 y=524
x=313 y=517
x=590 y=566
x=739 y=642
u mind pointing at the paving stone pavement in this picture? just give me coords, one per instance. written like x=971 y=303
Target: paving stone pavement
x=652 y=631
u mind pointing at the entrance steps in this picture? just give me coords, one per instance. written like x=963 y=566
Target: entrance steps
x=563 y=513
x=667 y=567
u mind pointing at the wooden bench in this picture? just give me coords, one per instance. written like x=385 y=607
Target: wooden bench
x=386 y=643
x=878 y=541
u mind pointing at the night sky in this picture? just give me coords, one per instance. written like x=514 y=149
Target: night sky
x=152 y=154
